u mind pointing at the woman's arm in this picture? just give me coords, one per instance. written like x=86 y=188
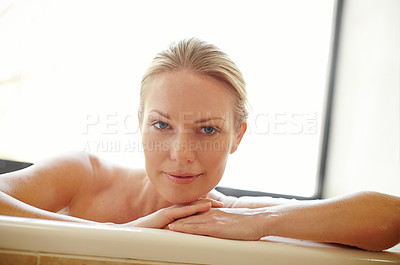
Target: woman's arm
x=250 y=202
x=366 y=220
x=41 y=190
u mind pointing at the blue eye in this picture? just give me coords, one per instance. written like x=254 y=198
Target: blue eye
x=208 y=130
x=161 y=125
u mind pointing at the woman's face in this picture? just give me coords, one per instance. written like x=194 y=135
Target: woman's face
x=188 y=131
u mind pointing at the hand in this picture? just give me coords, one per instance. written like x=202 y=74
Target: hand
x=237 y=223
x=162 y=217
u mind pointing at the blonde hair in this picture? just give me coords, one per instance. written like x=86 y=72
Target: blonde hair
x=200 y=57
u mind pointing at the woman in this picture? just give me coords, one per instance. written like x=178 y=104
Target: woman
x=192 y=116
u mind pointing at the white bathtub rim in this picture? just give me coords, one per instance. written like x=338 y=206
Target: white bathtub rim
x=155 y=245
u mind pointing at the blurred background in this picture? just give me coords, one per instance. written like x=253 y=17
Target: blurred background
x=70 y=76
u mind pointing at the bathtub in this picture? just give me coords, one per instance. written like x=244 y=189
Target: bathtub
x=33 y=241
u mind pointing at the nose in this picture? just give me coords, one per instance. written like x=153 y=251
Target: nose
x=183 y=149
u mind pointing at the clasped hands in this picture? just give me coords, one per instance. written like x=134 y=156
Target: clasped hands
x=206 y=217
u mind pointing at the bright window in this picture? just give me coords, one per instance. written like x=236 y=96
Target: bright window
x=70 y=74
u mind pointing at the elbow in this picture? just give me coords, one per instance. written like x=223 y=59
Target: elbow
x=386 y=238
x=390 y=232
x=383 y=230
x=376 y=237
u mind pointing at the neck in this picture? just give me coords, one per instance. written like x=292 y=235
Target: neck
x=150 y=200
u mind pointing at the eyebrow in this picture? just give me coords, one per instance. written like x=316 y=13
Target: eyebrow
x=209 y=119
x=165 y=115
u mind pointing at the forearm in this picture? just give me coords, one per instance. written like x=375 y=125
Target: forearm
x=13 y=207
x=367 y=220
x=259 y=202
x=250 y=202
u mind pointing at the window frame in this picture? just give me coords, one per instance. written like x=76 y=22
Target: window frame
x=326 y=120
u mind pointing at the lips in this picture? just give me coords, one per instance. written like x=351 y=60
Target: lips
x=181 y=178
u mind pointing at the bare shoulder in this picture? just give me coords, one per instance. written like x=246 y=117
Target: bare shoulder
x=82 y=184
x=65 y=166
x=105 y=173
x=107 y=194
x=49 y=184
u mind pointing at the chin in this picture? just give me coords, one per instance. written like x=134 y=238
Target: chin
x=182 y=198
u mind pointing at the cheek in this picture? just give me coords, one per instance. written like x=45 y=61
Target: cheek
x=214 y=161
x=154 y=149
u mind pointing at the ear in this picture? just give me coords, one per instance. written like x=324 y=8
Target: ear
x=238 y=138
x=140 y=121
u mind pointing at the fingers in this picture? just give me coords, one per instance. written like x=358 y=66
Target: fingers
x=187 y=228
x=195 y=224
x=171 y=214
x=214 y=203
x=197 y=228
x=220 y=223
x=180 y=211
x=163 y=217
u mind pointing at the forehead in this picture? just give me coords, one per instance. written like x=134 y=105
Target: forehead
x=185 y=91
